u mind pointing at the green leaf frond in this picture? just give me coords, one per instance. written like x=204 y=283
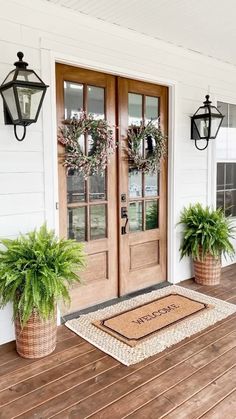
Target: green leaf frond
x=206 y=229
x=36 y=270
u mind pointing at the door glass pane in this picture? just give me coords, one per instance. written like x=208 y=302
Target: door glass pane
x=135 y=109
x=135 y=216
x=151 y=215
x=96 y=102
x=73 y=99
x=75 y=187
x=135 y=184
x=76 y=223
x=97 y=222
x=151 y=108
x=97 y=188
x=151 y=185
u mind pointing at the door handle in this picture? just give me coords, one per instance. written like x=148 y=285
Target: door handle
x=124 y=214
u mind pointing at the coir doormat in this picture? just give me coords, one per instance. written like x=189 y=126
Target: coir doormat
x=136 y=324
x=143 y=326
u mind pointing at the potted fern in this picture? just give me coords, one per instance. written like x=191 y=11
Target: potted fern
x=36 y=270
x=206 y=236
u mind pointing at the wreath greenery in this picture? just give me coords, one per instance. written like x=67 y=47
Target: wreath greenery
x=156 y=147
x=102 y=144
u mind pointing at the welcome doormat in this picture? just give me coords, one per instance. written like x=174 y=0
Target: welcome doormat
x=136 y=324
x=182 y=314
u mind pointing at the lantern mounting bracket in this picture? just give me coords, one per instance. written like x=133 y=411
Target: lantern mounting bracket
x=203 y=148
x=23 y=135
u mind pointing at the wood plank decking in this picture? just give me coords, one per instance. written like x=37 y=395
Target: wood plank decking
x=193 y=379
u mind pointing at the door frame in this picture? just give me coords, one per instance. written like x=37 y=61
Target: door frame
x=49 y=59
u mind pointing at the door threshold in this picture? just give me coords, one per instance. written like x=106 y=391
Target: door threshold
x=114 y=301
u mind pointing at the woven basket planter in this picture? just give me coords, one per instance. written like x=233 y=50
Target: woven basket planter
x=38 y=337
x=208 y=270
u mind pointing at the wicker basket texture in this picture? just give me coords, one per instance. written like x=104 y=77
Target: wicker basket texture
x=37 y=338
x=208 y=270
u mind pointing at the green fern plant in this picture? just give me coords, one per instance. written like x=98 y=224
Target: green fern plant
x=36 y=271
x=206 y=229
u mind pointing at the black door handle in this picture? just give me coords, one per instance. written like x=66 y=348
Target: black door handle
x=124 y=214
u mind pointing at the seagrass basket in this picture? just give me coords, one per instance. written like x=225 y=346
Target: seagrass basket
x=37 y=338
x=208 y=270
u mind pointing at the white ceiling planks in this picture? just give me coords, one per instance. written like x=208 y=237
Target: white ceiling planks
x=204 y=26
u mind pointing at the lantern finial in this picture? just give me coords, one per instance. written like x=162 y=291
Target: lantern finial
x=207 y=101
x=20 y=63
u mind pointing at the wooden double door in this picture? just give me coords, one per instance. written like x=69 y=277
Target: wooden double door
x=120 y=216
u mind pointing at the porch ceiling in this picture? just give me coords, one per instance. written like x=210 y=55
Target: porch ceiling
x=207 y=27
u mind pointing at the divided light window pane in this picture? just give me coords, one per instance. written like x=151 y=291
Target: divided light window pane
x=96 y=104
x=151 y=108
x=135 y=109
x=73 y=99
x=226 y=188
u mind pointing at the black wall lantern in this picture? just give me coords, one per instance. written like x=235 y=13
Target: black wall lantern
x=205 y=123
x=23 y=92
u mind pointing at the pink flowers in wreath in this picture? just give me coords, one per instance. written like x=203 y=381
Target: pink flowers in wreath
x=101 y=148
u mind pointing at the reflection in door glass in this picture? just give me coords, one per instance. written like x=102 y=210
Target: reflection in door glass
x=135 y=184
x=73 y=99
x=151 y=184
x=151 y=215
x=97 y=188
x=97 y=222
x=96 y=102
x=151 y=108
x=135 y=109
x=76 y=223
x=135 y=216
x=75 y=187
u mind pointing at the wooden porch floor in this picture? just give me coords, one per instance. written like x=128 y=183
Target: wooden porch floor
x=194 y=379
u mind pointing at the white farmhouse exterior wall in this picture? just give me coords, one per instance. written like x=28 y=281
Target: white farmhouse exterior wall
x=28 y=172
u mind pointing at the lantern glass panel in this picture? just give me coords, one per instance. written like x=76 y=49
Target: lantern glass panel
x=28 y=76
x=9 y=77
x=29 y=100
x=202 y=110
x=9 y=98
x=215 y=123
x=202 y=126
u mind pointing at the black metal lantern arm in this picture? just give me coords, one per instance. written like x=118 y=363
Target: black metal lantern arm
x=203 y=148
x=23 y=135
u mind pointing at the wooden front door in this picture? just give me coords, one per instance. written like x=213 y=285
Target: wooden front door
x=88 y=208
x=91 y=211
x=143 y=247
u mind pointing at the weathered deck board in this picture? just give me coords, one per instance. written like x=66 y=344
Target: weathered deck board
x=195 y=378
